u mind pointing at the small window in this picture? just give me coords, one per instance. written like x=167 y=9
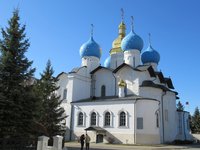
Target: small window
x=103 y=91
x=80 y=119
x=122 y=121
x=65 y=94
x=107 y=119
x=166 y=115
x=157 y=120
x=93 y=119
x=140 y=123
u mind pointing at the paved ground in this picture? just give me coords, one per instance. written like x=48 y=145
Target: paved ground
x=101 y=146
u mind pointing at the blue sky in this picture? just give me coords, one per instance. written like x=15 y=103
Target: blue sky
x=57 y=29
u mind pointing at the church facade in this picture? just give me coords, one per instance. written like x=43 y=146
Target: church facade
x=125 y=101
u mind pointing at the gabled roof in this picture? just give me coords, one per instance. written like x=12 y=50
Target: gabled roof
x=98 y=68
x=139 y=68
x=112 y=99
x=169 y=83
x=147 y=67
x=61 y=74
x=160 y=76
x=121 y=66
x=75 y=70
x=149 y=83
x=95 y=129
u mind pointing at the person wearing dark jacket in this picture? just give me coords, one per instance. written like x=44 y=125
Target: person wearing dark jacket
x=82 y=139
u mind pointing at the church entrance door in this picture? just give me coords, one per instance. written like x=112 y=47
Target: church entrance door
x=99 y=138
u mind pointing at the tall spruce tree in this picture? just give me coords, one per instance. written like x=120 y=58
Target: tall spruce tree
x=52 y=114
x=195 y=123
x=17 y=101
x=180 y=106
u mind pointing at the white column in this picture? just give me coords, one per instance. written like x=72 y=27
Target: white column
x=42 y=143
x=121 y=91
x=57 y=142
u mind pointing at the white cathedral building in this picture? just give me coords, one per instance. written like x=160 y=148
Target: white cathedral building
x=125 y=101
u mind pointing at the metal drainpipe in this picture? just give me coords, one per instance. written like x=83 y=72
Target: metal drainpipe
x=135 y=121
x=163 y=94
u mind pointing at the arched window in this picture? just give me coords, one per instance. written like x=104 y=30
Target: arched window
x=65 y=94
x=93 y=119
x=122 y=119
x=103 y=91
x=107 y=119
x=80 y=119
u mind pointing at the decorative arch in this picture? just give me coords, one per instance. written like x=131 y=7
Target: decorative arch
x=103 y=91
x=80 y=118
x=123 y=118
x=107 y=118
x=94 y=118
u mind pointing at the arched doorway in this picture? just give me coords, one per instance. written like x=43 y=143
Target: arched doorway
x=99 y=138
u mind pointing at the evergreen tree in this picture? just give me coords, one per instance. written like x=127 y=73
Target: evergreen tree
x=195 y=124
x=180 y=106
x=17 y=101
x=52 y=114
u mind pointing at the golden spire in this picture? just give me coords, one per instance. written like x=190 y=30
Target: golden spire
x=116 y=45
x=122 y=14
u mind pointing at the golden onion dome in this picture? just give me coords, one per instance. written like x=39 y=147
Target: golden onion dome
x=121 y=83
x=116 y=45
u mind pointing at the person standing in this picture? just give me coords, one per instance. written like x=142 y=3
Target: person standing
x=82 y=138
x=87 y=142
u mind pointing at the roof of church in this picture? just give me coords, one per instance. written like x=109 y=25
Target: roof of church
x=113 y=98
x=138 y=68
x=160 y=76
x=149 y=83
x=61 y=74
x=169 y=83
x=98 y=68
x=75 y=70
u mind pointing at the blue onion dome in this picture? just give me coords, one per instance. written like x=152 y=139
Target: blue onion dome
x=90 y=48
x=132 y=41
x=150 y=55
x=107 y=62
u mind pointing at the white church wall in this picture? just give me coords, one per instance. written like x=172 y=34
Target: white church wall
x=149 y=133
x=67 y=108
x=81 y=87
x=132 y=57
x=183 y=129
x=116 y=60
x=91 y=63
x=130 y=76
x=104 y=77
x=62 y=84
x=119 y=134
x=169 y=114
x=150 y=92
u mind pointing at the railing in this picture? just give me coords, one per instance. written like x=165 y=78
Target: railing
x=18 y=144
